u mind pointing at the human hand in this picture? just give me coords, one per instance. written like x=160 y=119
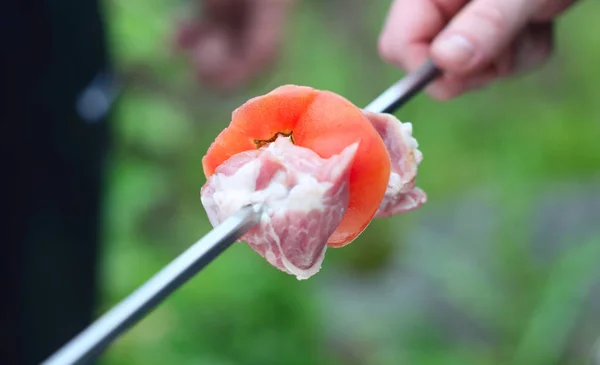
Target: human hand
x=233 y=40
x=473 y=42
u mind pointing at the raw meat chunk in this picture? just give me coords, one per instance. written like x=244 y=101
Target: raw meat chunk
x=401 y=195
x=305 y=198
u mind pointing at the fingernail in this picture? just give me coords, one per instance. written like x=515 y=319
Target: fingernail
x=454 y=50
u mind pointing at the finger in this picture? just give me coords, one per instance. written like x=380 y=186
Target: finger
x=550 y=9
x=410 y=27
x=406 y=36
x=533 y=47
x=451 y=86
x=479 y=34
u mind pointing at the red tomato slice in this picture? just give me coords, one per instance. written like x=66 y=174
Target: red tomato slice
x=323 y=122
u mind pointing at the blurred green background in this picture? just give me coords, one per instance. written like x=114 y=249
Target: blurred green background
x=501 y=266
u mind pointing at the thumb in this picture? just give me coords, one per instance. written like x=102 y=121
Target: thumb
x=479 y=33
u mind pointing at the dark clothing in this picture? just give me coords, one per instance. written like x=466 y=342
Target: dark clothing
x=53 y=164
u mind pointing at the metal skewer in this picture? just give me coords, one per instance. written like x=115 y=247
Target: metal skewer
x=402 y=91
x=89 y=343
x=95 y=338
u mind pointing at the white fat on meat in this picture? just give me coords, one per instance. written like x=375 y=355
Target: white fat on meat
x=304 y=195
x=401 y=195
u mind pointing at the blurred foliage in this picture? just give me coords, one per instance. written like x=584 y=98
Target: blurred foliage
x=516 y=141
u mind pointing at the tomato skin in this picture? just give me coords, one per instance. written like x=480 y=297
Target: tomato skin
x=259 y=118
x=323 y=122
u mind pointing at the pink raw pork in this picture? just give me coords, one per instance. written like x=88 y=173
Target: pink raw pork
x=304 y=195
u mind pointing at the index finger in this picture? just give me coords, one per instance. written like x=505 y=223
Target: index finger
x=411 y=26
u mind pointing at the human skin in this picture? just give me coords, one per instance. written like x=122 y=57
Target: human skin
x=473 y=42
